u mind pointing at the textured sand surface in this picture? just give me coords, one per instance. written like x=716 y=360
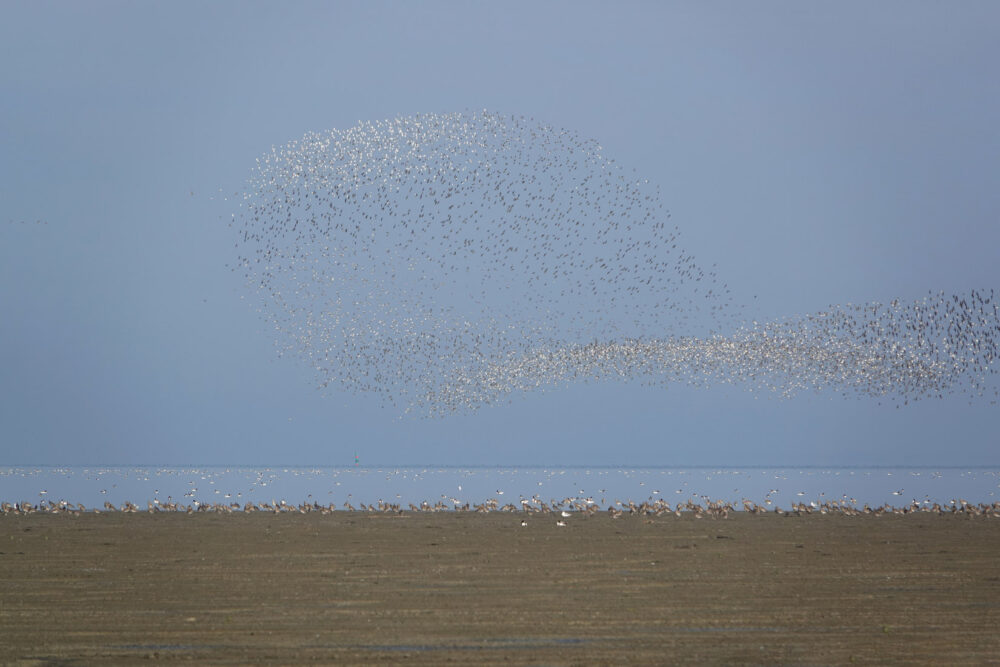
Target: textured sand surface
x=354 y=587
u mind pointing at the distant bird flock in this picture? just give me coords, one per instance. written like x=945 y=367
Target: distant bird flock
x=449 y=261
x=714 y=509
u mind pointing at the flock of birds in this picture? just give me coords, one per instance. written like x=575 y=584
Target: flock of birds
x=448 y=261
x=561 y=510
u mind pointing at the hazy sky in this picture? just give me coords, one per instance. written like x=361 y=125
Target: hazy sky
x=818 y=153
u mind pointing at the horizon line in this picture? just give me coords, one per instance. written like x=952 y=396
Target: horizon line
x=840 y=466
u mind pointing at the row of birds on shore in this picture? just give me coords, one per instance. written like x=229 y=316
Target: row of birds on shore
x=716 y=509
x=449 y=261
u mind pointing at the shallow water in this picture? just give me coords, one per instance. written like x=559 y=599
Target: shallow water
x=604 y=486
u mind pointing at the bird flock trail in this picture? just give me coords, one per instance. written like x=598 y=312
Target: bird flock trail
x=448 y=261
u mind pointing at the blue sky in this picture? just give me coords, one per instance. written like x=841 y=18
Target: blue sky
x=817 y=153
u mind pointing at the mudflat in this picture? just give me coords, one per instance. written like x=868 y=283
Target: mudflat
x=470 y=588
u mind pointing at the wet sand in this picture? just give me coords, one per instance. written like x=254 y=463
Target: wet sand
x=422 y=588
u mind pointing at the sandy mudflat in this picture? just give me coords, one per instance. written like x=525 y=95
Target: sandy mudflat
x=353 y=587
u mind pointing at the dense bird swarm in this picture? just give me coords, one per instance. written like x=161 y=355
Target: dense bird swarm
x=447 y=261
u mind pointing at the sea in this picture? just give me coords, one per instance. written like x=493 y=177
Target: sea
x=454 y=486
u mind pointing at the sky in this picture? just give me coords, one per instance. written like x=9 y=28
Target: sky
x=817 y=153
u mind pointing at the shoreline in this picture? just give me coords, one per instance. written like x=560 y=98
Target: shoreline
x=568 y=507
